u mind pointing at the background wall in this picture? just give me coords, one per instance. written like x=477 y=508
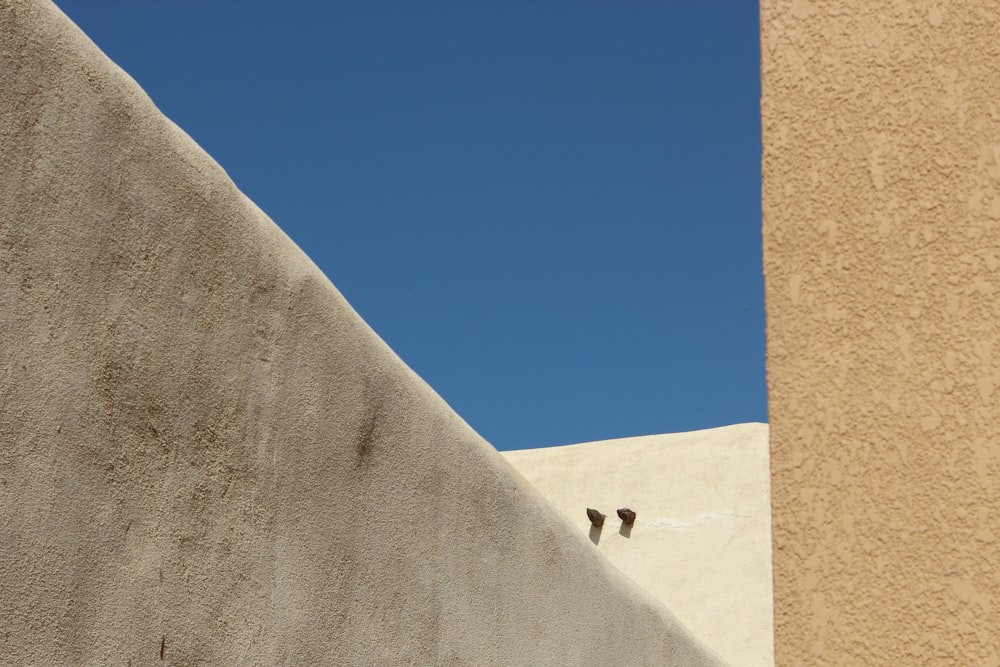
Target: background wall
x=701 y=541
x=881 y=214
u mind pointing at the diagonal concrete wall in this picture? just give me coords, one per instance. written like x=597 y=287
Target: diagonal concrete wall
x=207 y=457
x=881 y=246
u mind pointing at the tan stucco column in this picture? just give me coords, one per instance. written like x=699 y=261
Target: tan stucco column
x=881 y=203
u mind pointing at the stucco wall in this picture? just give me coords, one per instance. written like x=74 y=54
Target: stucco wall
x=206 y=457
x=881 y=245
x=701 y=541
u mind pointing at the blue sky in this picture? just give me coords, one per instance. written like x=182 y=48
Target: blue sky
x=550 y=210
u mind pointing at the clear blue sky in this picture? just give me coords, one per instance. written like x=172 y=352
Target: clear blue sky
x=549 y=210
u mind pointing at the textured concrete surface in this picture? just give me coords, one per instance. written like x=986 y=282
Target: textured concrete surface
x=206 y=457
x=881 y=247
x=701 y=540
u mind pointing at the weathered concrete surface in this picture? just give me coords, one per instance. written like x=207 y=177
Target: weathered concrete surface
x=881 y=247
x=701 y=541
x=207 y=457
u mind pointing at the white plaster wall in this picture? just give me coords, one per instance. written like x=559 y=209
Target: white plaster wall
x=701 y=542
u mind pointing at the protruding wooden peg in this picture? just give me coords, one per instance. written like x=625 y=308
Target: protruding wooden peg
x=595 y=517
x=627 y=516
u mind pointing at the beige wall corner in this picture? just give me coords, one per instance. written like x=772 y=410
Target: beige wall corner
x=206 y=457
x=701 y=540
x=881 y=204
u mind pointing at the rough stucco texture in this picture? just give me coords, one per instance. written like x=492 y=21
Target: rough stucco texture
x=206 y=457
x=881 y=245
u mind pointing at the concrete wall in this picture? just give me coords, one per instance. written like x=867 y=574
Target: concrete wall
x=881 y=248
x=206 y=457
x=701 y=541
